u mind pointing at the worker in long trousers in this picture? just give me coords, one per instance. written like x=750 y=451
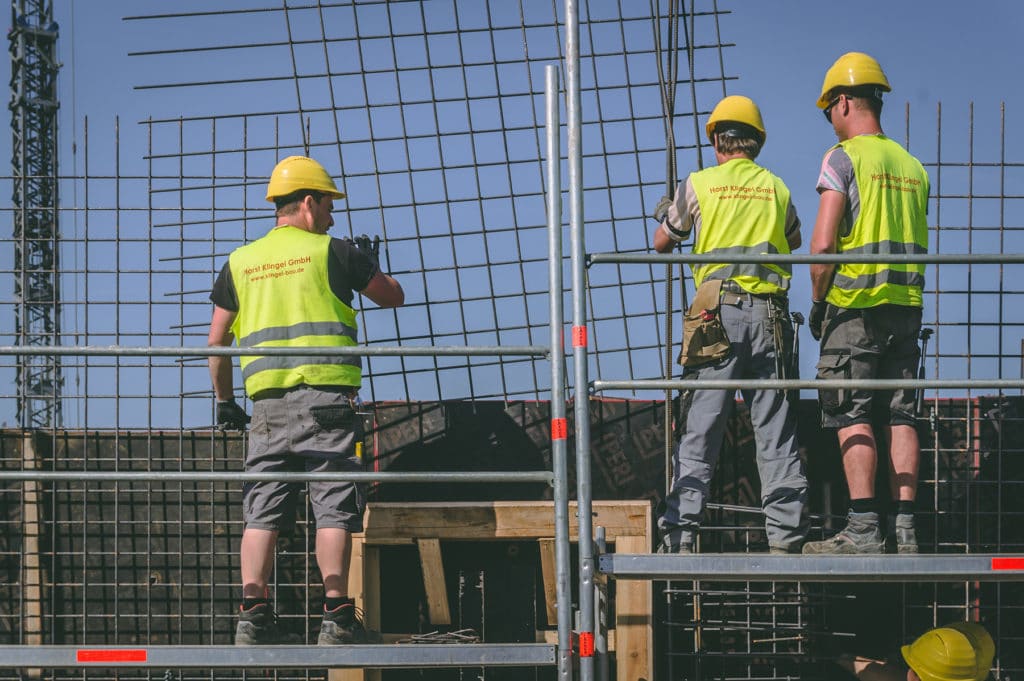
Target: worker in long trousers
x=959 y=651
x=736 y=328
x=294 y=287
x=873 y=200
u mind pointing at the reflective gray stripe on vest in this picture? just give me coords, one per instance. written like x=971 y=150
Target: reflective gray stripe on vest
x=280 y=333
x=751 y=269
x=283 y=362
x=876 y=279
x=888 y=248
x=885 y=275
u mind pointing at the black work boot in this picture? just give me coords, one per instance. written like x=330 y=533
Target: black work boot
x=258 y=626
x=342 y=625
x=861 y=535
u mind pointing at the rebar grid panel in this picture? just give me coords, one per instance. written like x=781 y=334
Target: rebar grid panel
x=428 y=113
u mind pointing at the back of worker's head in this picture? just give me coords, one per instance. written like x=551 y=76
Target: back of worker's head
x=860 y=77
x=984 y=646
x=942 y=654
x=296 y=177
x=735 y=126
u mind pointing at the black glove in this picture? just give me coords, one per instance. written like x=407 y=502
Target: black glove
x=230 y=416
x=661 y=210
x=371 y=249
x=817 y=318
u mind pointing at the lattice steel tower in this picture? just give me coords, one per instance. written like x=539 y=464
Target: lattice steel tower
x=34 y=103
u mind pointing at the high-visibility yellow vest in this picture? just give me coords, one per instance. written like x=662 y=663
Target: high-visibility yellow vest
x=285 y=300
x=893 y=218
x=743 y=210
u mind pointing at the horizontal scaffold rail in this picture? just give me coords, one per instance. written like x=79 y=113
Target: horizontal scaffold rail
x=732 y=567
x=277 y=476
x=279 y=657
x=809 y=384
x=809 y=259
x=327 y=351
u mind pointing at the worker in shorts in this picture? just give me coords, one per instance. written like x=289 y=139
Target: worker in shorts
x=873 y=201
x=294 y=287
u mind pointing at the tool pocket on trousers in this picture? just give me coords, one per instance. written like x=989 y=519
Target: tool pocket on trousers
x=704 y=337
x=332 y=417
x=834 y=365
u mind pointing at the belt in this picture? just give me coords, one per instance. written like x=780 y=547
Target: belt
x=733 y=293
x=277 y=393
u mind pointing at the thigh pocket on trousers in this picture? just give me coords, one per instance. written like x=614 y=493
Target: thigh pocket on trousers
x=834 y=365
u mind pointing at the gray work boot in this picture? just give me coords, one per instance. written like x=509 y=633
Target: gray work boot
x=901 y=537
x=259 y=626
x=674 y=542
x=861 y=535
x=343 y=625
x=785 y=550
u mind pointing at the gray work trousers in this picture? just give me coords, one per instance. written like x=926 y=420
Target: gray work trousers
x=783 y=483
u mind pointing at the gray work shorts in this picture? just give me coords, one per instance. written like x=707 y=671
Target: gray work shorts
x=304 y=430
x=873 y=342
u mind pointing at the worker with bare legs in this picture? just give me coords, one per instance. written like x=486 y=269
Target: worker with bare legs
x=294 y=287
x=873 y=201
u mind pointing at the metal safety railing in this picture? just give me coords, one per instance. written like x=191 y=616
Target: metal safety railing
x=717 y=567
x=375 y=656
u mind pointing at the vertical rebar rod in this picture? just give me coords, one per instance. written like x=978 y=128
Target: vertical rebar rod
x=553 y=123
x=579 y=338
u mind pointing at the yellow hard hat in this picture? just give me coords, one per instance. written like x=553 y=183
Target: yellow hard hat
x=736 y=109
x=981 y=640
x=853 y=69
x=942 y=654
x=298 y=172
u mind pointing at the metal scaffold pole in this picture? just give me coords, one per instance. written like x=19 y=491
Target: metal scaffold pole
x=559 y=429
x=579 y=340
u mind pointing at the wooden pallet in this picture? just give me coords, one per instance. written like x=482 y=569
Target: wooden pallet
x=628 y=526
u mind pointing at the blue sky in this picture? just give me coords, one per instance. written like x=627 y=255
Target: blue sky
x=469 y=151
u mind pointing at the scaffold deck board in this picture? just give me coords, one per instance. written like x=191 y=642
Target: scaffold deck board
x=279 y=657
x=733 y=567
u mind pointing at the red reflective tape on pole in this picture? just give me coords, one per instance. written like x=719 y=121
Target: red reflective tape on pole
x=1015 y=563
x=586 y=644
x=559 y=429
x=112 y=655
x=579 y=336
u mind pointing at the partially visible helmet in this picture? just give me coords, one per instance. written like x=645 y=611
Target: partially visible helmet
x=298 y=172
x=942 y=654
x=736 y=109
x=981 y=640
x=853 y=69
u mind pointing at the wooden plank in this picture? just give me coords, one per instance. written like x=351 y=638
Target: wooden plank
x=550 y=581
x=634 y=633
x=31 y=566
x=433 y=580
x=398 y=523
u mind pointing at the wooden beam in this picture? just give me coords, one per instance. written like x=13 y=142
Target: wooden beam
x=550 y=582
x=433 y=581
x=634 y=633
x=400 y=523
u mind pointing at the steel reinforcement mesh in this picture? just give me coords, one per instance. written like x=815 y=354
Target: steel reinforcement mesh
x=430 y=114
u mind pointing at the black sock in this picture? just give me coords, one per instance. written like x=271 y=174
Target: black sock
x=905 y=507
x=250 y=603
x=335 y=602
x=864 y=505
